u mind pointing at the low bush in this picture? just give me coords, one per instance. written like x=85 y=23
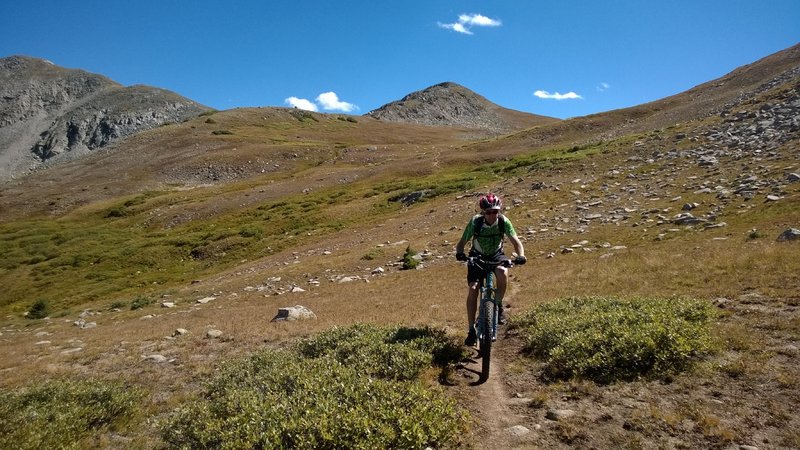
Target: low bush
x=39 y=310
x=608 y=339
x=391 y=353
x=316 y=397
x=409 y=259
x=141 y=302
x=64 y=413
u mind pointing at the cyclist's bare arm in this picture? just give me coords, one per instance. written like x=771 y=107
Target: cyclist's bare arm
x=518 y=248
x=460 y=246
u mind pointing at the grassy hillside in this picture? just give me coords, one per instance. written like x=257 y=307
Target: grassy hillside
x=651 y=228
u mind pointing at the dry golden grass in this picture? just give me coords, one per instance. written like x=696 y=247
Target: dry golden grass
x=755 y=281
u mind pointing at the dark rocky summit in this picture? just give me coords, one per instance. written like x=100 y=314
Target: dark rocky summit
x=450 y=104
x=50 y=114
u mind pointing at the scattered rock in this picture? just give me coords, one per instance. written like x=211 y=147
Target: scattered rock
x=83 y=324
x=559 y=414
x=690 y=206
x=518 y=431
x=167 y=304
x=180 y=332
x=213 y=334
x=292 y=313
x=789 y=235
x=156 y=358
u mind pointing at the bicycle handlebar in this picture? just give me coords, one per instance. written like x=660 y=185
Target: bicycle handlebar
x=482 y=262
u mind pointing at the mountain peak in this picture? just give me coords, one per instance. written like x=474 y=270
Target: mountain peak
x=451 y=104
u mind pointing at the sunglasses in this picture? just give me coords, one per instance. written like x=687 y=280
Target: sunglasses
x=491 y=212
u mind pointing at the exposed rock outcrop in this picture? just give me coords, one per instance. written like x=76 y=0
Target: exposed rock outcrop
x=50 y=114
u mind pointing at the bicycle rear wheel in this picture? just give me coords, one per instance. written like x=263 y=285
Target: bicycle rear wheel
x=488 y=308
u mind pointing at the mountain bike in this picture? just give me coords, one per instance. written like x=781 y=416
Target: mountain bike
x=488 y=310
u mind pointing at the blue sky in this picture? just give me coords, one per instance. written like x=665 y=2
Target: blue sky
x=560 y=58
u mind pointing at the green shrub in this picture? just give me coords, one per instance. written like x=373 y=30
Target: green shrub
x=303 y=115
x=608 y=339
x=754 y=234
x=141 y=302
x=251 y=231
x=63 y=413
x=117 y=211
x=309 y=399
x=391 y=353
x=39 y=310
x=372 y=254
x=409 y=260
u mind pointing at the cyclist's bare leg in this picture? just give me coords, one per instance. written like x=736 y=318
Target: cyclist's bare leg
x=472 y=303
x=501 y=273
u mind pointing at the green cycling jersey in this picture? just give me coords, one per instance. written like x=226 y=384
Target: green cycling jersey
x=489 y=240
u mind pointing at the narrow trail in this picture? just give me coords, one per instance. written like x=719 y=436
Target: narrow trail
x=490 y=403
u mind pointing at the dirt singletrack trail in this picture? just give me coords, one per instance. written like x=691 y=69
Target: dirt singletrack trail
x=489 y=402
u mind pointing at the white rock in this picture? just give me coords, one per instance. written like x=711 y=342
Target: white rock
x=213 y=334
x=292 y=313
x=518 y=431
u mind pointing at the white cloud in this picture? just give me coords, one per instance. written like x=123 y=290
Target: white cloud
x=557 y=96
x=603 y=86
x=455 y=27
x=466 y=21
x=478 y=20
x=330 y=102
x=301 y=103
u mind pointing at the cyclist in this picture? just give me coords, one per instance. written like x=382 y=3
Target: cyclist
x=487 y=231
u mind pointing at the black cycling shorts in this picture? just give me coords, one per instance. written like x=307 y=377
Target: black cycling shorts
x=476 y=273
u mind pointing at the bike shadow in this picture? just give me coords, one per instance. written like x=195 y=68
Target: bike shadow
x=470 y=367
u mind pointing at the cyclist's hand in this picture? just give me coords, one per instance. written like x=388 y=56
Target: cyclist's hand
x=520 y=260
x=460 y=256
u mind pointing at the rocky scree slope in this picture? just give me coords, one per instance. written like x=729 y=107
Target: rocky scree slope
x=708 y=99
x=450 y=104
x=49 y=114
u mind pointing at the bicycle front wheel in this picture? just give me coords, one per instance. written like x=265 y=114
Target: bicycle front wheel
x=488 y=309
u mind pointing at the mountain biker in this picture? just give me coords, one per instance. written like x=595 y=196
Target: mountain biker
x=487 y=231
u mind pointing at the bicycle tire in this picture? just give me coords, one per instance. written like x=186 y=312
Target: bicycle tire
x=488 y=312
x=486 y=340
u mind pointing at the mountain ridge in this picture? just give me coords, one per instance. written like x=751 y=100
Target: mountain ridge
x=49 y=114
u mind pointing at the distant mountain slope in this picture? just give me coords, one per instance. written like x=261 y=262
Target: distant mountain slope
x=451 y=104
x=50 y=113
x=715 y=97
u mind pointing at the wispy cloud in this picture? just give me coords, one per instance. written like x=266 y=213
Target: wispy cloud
x=557 y=96
x=329 y=101
x=301 y=103
x=467 y=21
x=603 y=86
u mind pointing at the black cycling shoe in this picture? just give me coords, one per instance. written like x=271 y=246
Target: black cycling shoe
x=502 y=319
x=472 y=338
